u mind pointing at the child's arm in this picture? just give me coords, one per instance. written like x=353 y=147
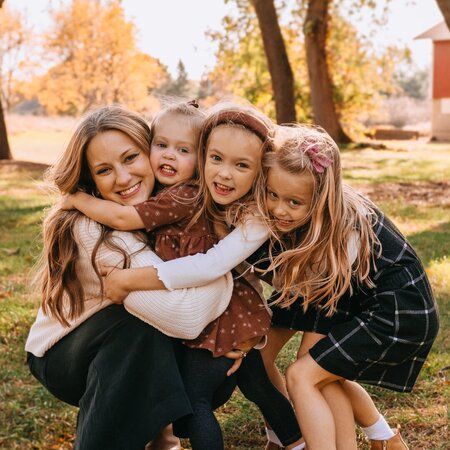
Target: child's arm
x=190 y=271
x=106 y=212
x=200 y=269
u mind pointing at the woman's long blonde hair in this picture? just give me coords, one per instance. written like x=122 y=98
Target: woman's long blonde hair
x=244 y=117
x=62 y=291
x=315 y=262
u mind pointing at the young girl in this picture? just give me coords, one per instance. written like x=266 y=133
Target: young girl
x=232 y=143
x=347 y=275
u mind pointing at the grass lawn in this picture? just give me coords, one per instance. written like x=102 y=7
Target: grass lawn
x=411 y=185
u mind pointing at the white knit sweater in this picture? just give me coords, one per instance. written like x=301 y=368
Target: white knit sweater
x=181 y=313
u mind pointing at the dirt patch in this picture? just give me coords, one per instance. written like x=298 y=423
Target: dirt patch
x=420 y=193
x=10 y=166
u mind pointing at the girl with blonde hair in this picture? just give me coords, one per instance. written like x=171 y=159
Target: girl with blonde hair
x=347 y=277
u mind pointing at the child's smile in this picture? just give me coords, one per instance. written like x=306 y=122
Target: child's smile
x=233 y=159
x=289 y=197
x=173 y=153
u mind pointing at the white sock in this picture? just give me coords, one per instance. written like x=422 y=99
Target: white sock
x=299 y=446
x=379 y=431
x=272 y=437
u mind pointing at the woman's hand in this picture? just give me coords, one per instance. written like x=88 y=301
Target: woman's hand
x=238 y=354
x=114 y=283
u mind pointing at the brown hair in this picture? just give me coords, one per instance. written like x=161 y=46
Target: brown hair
x=62 y=292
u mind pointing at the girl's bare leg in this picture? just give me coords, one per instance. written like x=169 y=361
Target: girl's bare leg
x=276 y=340
x=337 y=400
x=305 y=379
x=364 y=409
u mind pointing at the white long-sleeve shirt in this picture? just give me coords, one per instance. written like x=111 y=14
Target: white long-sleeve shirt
x=202 y=268
x=180 y=313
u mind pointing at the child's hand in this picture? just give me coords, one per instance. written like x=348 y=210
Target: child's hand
x=67 y=202
x=114 y=282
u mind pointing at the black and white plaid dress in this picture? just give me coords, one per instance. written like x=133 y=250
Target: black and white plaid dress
x=379 y=336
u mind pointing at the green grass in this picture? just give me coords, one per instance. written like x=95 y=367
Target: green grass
x=30 y=418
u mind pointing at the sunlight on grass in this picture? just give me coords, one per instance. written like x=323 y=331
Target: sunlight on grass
x=428 y=163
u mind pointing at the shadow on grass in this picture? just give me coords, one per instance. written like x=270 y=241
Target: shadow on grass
x=432 y=244
x=13 y=213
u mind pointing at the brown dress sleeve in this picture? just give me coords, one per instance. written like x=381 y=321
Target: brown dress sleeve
x=168 y=206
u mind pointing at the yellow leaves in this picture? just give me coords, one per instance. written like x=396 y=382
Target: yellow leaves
x=97 y=60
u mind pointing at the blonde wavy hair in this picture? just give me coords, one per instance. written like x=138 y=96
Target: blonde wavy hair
x=245 y=117
x=315 y=262
x=62 y=291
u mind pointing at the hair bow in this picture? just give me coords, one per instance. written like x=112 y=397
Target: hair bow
x=193 y=103
x=319 y=161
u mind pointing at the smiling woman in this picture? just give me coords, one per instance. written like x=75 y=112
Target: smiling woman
x=87 y=351
x=120 y=170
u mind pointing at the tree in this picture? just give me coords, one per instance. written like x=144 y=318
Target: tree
x=316 y=29
x=444 y=6
x=96 y=60
x=5 y=152
x=358 y=73
x=14 y=58
x=277 y=60
x=242 y=67
x=181 y=86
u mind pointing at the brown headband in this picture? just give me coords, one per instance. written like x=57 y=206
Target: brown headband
x=244 y=119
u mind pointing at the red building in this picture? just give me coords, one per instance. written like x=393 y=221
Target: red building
x=440 y=121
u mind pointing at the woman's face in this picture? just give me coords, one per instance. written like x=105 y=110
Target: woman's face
x=121 y=171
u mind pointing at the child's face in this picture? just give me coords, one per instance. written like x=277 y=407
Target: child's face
x=121 y=171
x=233 y=159
x=289 y=197
x=173 y=153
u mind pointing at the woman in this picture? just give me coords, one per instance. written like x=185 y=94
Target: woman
x=85 y=350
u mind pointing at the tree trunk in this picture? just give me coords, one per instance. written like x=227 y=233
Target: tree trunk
x=315 y=29
x=5 y=153
x=444 y=6
x=277 y=60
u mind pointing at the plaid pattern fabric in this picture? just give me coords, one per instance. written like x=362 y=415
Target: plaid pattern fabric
x=378 y=336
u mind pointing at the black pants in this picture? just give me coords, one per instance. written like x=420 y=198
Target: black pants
x=209 y=387
x=123 y=375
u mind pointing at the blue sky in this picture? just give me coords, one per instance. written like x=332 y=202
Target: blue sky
x=174 y=29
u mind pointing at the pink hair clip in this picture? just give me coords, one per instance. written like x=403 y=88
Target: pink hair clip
x=319 y=161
